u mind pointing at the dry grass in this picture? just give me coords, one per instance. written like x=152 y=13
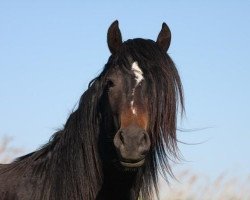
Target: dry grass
x=8 y=152
x=191 y=186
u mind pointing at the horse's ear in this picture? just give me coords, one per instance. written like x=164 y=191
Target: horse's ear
x=114 y=37
x=164 y=37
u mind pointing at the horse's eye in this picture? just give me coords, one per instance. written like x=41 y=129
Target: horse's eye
x=110 y=83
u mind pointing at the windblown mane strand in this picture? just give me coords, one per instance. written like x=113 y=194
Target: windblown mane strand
x=81 y=133
x=166 y=94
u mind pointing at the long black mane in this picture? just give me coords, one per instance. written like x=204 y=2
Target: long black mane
x=166 y=95
x=71 y=165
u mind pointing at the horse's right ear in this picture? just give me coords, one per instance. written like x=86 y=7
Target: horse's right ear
x=114 y=37
x=164 y=37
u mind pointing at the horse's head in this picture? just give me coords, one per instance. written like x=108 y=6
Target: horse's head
x=136 y=86
x=128 y=100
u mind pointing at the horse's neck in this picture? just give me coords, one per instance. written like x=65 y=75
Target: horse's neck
x=119 y=185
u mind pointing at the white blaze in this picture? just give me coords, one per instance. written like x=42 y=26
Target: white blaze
x=132 y=107
x=132 y=102
x=138 y=73
x=138 y=77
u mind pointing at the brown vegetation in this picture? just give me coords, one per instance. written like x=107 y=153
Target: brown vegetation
x=8 y=152
x=194 y=186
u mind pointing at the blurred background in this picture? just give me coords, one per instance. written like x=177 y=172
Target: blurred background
x=49 y=51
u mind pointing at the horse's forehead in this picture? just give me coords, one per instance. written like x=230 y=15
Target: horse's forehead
x=132 y=71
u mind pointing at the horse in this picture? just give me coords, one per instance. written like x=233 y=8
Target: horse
x=119 y=138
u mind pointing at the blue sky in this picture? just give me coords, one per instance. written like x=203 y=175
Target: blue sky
x=49 y=51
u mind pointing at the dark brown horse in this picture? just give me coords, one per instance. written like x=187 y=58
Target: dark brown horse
x=120 y=137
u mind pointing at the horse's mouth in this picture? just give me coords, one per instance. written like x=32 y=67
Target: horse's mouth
x=134 y=164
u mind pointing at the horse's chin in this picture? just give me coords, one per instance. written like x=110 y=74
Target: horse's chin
x=136 y=164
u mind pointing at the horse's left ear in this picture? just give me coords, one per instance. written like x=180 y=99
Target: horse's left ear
x=114 y=37
x=164 y=37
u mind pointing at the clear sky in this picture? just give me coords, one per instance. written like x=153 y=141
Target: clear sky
x=50 y=50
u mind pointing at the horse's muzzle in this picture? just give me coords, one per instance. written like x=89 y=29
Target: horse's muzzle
x=132 y=144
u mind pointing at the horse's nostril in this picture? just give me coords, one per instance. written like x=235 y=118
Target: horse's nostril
x=119 y=139
x=121 y=136
x=144 y=144
x=143 y=139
